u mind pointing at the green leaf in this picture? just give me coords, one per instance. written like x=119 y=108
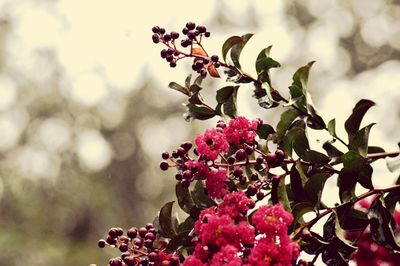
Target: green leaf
x=226 y=98
x=380 y=225
x=188 y=80
x=185 y=201
x=279 y=193
x=166 y=220
x=314 y=187
x=314 y=121
x=201 y=200
x=359 y=142
x=237 y=49
x=285 y=121
x=297 y=181
x=298 y=89
x=181 y=240
x=316 y=157
x=365 y=176
x=177 y=87
x=186 y=225
x=332 y=127
x=331 y=150
x=351 y=219
x=266 y=96
x=391 y=199
x=263 y=64
x=349 y=175
x=296 y=140
x=375 y=149
x=198 y=112
x=300 y=209
x=264 y=131
x=352 y=123
x=228 y=45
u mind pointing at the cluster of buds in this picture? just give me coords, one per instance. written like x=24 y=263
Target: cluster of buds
x=202 y=63
x=140 y=246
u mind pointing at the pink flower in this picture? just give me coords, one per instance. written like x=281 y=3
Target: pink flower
x=272 y=220
x=241 y=130
x=211 y=144
x=216 y=183
x=227 y=256
x=203 y=219
x=235 y=205
x=218 y=232
x=193 y=261
x=267 y=252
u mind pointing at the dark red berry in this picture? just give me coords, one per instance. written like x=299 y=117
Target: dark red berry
x=165 y=263
x=240 y=155
x=148 y=243
x=185 y=183
x=280 y=153
x=150 y=236
x=217 y=64
x=187 y=174
x=187 y=145
x=181 y=151
x=203 y=73
x=111 y=240
x=248 y=150
x=238 y=172
x=132 y=233
x=231 y=160
x=164 y=165
x=259 y=160
x=242 y=179
x=163 y=53
x=149 y=226
x=142 y=231
x=167 y=37
x=113 y=232
x=178 y=176
x=251 y=190
x=185 y=30
x=254 y=177
x=201 y=29
x=165 y=155
x=215 y=58
x=123 y=247
x=270 y=158
x=190 y=25
x=120 y=232
x=156 y=29
x=152 y=256
x=162 y=30
x=172 y=64
x=207 y=34
x=174 y=35
x=156 y=38
x=260 y=195
x=191 y=35
x=101 y=243
x=115 y=262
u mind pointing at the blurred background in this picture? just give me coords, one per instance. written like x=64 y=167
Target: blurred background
x=85 y=111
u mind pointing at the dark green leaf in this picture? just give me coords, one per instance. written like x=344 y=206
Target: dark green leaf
x=181 y=240
x=331 y=150
x=314 y=187
x=298 y=89
x=316 y=157
x=194 y=88
x=296 y=140
x=166 y=220
x=365 y=176
x=200 y=198
x=264 y=131
x=263 y=64
x=177 y=87
x=264 y=96
x=226 y=98
x=391 y=199
x=297 y=181
x=285 y=121
x=237 y=49
x=332 y=127
x=225 y=93
x=352 y=124
x=380 y=225
x=199 y=112
x=185 y=201
x=351 y=219
x=186 y=225
x=188 y=80
x=349 y=174
x=228 y=45
x=300 y=209
x=314 y=121
x=279 y=193
x=359 y=142
x=375 y=149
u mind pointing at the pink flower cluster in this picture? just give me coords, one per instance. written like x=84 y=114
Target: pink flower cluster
x=216 y=141
x=225 y=236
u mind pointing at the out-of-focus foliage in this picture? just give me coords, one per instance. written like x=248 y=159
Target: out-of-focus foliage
x=84 y=107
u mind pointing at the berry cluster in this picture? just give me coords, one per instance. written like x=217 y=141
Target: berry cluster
x=221 y=154
x=194 y=34
x=140 y=246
